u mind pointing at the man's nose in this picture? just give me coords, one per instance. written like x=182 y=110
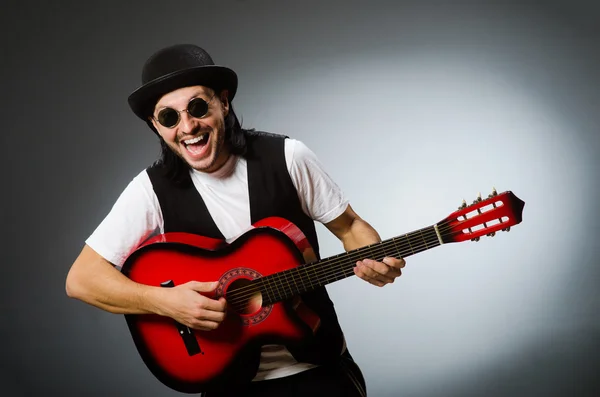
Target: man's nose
x=187 y=123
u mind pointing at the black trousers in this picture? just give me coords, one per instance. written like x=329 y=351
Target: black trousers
x=342 y=379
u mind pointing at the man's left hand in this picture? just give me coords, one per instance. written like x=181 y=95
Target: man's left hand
x=379 y=273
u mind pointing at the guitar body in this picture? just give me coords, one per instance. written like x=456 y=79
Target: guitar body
x=194 y=361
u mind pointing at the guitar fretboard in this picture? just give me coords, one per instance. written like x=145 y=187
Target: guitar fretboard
x=286 y=284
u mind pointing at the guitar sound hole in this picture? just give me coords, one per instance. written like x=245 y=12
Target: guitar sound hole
x=243 y=297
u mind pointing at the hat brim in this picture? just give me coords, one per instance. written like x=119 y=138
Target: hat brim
x=143 y=100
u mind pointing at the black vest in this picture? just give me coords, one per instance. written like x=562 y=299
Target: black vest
x=272 y=193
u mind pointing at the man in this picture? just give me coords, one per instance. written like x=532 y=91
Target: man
x=216 y=179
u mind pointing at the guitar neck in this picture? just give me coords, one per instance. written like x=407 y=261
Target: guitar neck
x=286 y=284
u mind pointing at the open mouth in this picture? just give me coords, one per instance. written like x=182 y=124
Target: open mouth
x=196 y=145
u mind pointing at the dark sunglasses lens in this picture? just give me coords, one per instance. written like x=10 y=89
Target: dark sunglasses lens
x=168 y=117
x=198 y=107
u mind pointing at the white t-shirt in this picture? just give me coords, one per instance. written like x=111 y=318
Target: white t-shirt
x=136 y=216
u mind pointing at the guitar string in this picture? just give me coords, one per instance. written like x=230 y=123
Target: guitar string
x=327 y=267
x=320 y=270
x=324 y=268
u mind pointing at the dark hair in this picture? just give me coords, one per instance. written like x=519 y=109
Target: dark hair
x=177 y=170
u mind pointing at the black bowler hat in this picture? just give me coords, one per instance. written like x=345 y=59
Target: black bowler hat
x=175 y=67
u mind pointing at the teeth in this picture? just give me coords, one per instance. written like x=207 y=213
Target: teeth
x=194 y=140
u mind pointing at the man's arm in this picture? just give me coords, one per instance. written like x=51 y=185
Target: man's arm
x=94 y=280
x=354 y=232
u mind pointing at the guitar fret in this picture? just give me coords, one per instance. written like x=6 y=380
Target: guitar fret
x=298 y=278
x=265 y=291
x=306 y=280
x=282 y=290
x=412 y=250
x=274 y=289
x=269 y=283
x=324 y=277
x=384 y=246
x=348 y=264
x=371 y=253
x=423 y=238
x=415 y=243
x=287 y=287
x=305 y=270
x=398 y=252
x=315 y=275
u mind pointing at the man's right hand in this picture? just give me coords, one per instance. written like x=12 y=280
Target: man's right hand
x=186 y=305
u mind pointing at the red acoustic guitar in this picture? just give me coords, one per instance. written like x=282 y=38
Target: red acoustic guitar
x=261 y=275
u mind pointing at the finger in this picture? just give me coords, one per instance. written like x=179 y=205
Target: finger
x=380 y=267
x=379 y=270
x=209 y=315
x=368 y=274
x=397 y=263
x=204 y=325
x=199 y=286
x=368 y=279
x=388 y=270
x=219 y=305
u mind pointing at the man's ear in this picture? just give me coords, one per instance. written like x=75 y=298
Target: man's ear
x=151 y=120
x=225 y=102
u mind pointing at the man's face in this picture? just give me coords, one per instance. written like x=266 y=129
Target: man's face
x=198 y=141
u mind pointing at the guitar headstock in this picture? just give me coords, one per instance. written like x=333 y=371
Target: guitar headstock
x=484 y=217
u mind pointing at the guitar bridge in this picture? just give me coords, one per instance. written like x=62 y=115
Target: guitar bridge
x=189 y=339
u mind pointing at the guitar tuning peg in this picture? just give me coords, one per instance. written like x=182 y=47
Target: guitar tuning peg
x=492 y=234
x=476 y=239
x=463 y=205
x=494 y=192
x=479 y=196
x=506 y=229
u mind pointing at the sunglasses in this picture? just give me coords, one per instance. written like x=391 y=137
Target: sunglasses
x=169 y=117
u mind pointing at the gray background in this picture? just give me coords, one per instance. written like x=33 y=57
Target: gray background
x=411 y=106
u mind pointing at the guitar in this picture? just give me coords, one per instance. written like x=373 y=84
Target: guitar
x=261 y=275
